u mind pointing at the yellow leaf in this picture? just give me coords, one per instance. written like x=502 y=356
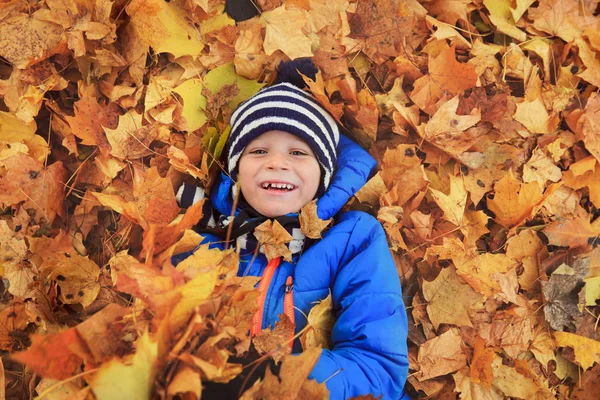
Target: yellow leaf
x=13 y=131
x=164 y=26
x=118 y=380
x=592 y=290
x=284 y=32
x=587 y=351
x=320 y=320
x=193 y=103
x=223 y=75
x=453 y=204
x=501 y=16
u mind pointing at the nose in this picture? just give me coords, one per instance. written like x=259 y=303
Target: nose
x=277 y=161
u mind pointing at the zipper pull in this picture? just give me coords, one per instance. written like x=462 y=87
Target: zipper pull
x=288 y=285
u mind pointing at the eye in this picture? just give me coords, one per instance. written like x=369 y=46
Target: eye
x=258 y=151
x=298 y=153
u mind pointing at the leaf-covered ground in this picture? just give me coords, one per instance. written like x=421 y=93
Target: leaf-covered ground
x=484 y=117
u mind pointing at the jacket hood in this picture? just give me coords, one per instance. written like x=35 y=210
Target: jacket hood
x=353 y=169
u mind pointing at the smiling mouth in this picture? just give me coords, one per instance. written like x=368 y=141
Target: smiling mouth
x=281 y=187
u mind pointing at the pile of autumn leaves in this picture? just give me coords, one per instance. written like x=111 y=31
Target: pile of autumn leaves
x=484 y=117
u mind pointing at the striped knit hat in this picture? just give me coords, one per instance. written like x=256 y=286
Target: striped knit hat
x=287 y=108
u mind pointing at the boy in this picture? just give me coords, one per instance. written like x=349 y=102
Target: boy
x=286 y=150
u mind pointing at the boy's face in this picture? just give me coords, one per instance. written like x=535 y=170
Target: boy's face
x=278 y=173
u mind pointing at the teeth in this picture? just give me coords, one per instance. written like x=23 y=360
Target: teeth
x=266 y=185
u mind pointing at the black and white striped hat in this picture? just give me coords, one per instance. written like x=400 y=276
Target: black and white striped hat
x=287 y=108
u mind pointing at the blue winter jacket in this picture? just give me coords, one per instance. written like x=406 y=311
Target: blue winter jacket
x=368 y=352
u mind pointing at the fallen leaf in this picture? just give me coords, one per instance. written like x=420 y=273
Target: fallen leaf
x=587 y=351
x=453 y=204
x=449 y=300
x=276 y=342
x=320 y=321
x=513 y=201
x=284 y=32
x=132 y=380
x=274 y=237
x=441 y=355
x=310 y=223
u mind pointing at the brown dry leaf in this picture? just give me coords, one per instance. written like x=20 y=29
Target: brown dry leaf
x=478 y=271
x=276 y=342
x=513 y=201
x=310 y=223
x=130 y=140
x=284 y=32
x=292 y=377
x=181 y=162
x=514 y=384
x=526 y=247
x=90 y=130
x=590 y=123
x=77 y=278
x=28 y=38
x=153 y=199
x=62 y=363
x=13 y=320
x=185 y=381
x=476 y=391
x=541 y=168
x=274 y=237
x=164 y=27
x=372 y=191
x=320 y=320
x=441 y=355
x=449 y=300
x=446 y=129
x=250 y=58
x=587 y=351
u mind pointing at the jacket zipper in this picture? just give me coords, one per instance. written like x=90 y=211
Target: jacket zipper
x=263 y=288
x=288 y=305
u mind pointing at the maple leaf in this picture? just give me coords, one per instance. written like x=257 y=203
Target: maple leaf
x=453 y=204
x=441 y=355
x=131 y=140
x=90 y=130
x=29 y=38
x=274 y=237
x=450 y=300
x=284 y=32
x=292 y=380
x=574 y=232
x=164 y=27
x=445 y=75
x=310 y=223
x=276 y=342
x=249 y=57
x=513 y=201
x=154 y=199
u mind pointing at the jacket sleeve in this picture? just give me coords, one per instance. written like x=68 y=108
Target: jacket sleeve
x=368 y=341
x=354 y=166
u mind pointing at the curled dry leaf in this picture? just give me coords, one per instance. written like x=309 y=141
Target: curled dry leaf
x=320 y=321
x=312 y=226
